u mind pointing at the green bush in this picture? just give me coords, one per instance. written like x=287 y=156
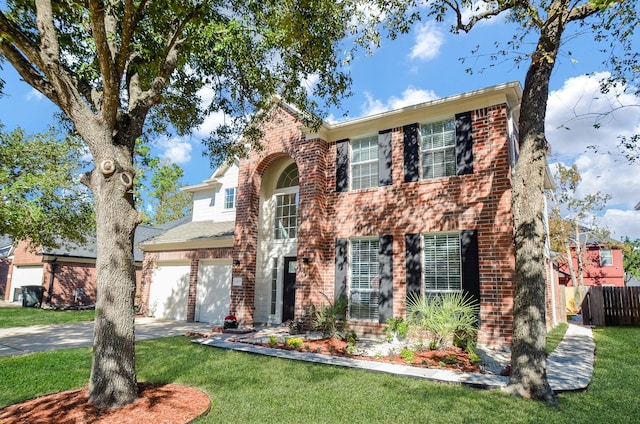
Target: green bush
x=329 y=319
x=407 y=355
x=396 y=327
x=447 y=319
x=294 y=342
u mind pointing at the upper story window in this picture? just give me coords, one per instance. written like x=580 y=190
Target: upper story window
x=364 y=163
x=442 y=263
x=606 y=257
x=230 y=198
x=286 y=204
x=438 y=149
x=289 y=177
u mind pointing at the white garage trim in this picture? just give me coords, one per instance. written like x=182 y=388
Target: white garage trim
x=213 y=293
x=169 y=291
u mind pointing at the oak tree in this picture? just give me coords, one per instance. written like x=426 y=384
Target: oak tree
x=120 y=70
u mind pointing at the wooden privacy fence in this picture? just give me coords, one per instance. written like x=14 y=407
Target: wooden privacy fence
x=611 y=306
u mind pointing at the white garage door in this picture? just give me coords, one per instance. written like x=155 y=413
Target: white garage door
x=24 y=276
x=169 y=292
x=214 y=292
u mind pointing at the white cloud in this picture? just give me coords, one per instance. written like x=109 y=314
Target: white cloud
x=410 y=96
x=429 y=39
x=34 y=95
x=574 y=109
x=578 y=105
x=212 y=121
x=622 y=223
x=175 y=150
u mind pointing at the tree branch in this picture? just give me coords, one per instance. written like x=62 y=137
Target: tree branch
x=17 y=38
x=26 y=71
x=110 y=89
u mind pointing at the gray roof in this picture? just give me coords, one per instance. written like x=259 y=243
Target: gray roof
x=194 y=231
x=89 y=249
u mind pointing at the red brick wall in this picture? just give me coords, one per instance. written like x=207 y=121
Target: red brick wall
x=69 y=276
x=480 y=201
x=192 y=256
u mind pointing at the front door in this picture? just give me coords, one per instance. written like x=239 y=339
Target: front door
x=289 y=289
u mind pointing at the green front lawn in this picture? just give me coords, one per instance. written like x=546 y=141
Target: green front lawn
x=255 y=389
x=22 y=317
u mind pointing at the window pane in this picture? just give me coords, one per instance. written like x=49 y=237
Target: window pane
x=364 y=288
x=606 y=257
x=286 y=224
x=289 y=177
x=438 y=149
x=442 y=264
x=364 y=163
x=230 y=198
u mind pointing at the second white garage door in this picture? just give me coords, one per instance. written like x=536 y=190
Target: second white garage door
x=214 y=291
x=169 y=292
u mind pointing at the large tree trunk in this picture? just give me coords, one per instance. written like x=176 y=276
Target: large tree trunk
x=528 y=359
x=113 y=376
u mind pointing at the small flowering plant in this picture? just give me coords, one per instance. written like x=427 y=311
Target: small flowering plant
x=230 y=321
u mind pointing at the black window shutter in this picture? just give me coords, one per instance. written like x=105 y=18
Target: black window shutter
x=385 y=303
x=464 y=144
x=411 y=152
x=342 y=165
x=342 y=268
x=413 y=264
x=384 y=157
x=470 y=267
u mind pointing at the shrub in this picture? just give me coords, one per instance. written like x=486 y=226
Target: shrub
x=448 y=319
x=273 y=340
x=407 y=355
x=396 y=327
x=329 y=319
x=294 y=342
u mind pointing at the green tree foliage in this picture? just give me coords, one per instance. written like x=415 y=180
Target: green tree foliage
x=157 y=189
x=126 y=69
x=42 y=199
x=631 y=257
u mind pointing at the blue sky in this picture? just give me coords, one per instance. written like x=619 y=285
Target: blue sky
x=424 y=65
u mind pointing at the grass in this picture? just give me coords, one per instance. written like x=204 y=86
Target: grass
x=22 y=317
x=251 y=388
x=554 y=337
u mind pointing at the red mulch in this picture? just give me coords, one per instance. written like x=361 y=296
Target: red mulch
x=452 y=357
x=157 y=403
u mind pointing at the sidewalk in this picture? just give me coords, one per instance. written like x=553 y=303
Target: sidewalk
x=40 y=338
x=569 y=367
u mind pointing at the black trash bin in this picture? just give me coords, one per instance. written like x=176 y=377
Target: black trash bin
x=32 y=296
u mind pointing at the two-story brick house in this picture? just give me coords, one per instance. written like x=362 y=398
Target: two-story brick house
x=415 y=201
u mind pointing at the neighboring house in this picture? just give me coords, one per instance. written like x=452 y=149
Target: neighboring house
x=415 y=201
x=187 y=270
x=6 y=257
x=631 y=281
x=602 y=266
x=68 y=273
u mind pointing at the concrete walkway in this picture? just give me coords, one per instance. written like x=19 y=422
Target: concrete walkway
x=40 y=338
x=569 y=367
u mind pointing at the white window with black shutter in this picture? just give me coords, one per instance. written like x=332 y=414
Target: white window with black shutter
x=445 y=262
x=364 y=162
x=438 y=149
x=364 y=276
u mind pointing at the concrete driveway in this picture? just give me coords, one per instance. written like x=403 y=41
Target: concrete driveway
x=39 y=338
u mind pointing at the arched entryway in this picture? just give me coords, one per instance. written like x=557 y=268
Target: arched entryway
x=276 y=265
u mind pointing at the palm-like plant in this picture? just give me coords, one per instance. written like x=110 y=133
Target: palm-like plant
x=449 y=318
